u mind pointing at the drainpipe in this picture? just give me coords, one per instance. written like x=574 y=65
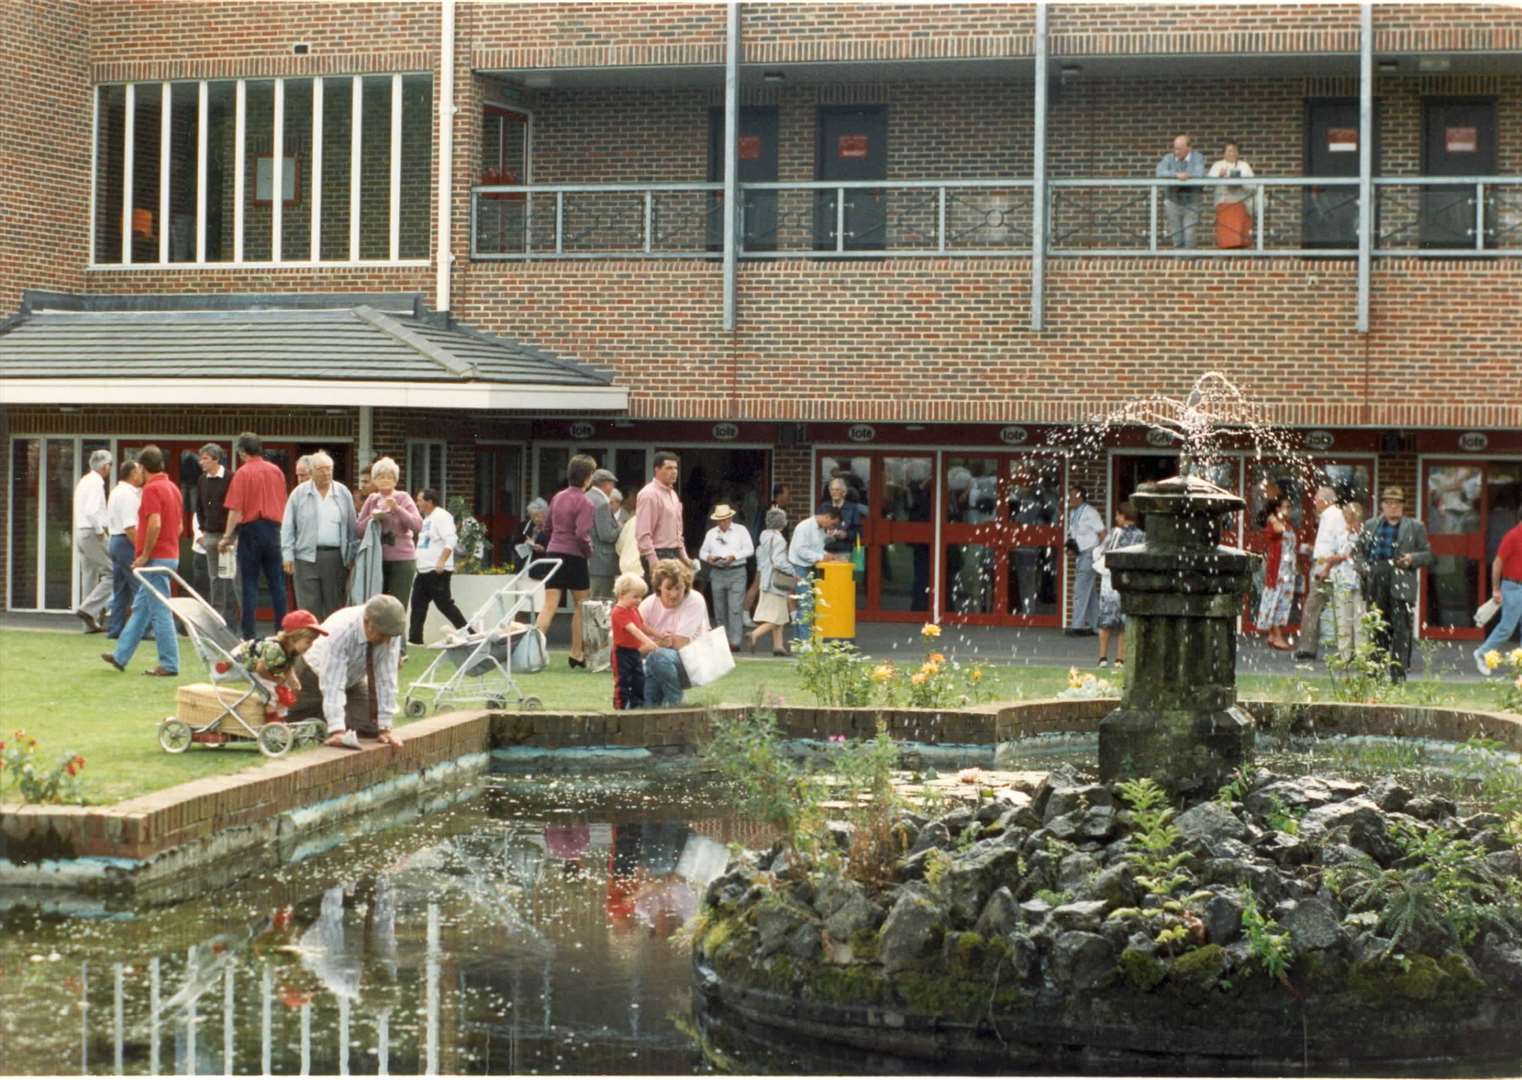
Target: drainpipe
x=1365 y=158
x=1038 y=172
x=443 y=244
x=366 y=440
x=731 y=162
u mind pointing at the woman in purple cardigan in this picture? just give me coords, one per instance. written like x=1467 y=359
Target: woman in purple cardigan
x=392 y=511
x=569 y=523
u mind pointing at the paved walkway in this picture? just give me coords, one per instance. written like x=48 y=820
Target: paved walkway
x=1041 y=647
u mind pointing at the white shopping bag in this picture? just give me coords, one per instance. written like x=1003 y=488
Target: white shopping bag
x=1486 y=612
x=706 y=658
x=530 y=654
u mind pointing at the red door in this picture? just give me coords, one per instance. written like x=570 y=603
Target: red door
x=1002 y=535
x=1467 y=506
x=898 y=531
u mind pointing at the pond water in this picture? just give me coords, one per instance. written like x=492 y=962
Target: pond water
x=526 y=930
x=532 y=927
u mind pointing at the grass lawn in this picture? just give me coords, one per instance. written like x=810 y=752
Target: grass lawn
x=55 y=687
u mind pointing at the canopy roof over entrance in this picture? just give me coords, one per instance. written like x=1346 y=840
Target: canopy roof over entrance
x=346 y=349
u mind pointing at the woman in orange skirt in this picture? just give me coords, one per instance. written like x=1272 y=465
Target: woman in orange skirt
x=1233 y=221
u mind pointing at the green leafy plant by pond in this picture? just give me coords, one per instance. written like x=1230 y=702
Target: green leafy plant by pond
x=26 y=778
x=837 y=673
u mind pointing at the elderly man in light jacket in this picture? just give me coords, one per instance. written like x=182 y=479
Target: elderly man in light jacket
x=602 y=567
x=318 y=539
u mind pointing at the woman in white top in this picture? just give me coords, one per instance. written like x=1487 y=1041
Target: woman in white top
x=626 y=547
x=1233 y=221
x=774 y=573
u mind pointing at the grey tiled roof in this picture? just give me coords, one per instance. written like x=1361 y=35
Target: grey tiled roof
x=356 y=338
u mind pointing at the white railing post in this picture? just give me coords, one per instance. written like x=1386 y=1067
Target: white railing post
x=940 y=229
x=1152 y=215
x=1479 y=216
x=649 y=219
x=840 y=219
x=559 y=222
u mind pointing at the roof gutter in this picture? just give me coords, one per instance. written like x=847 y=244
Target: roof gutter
x=443 y=248
x=207 y=393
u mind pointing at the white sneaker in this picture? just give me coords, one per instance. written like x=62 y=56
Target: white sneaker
x=1479 y=662
x=1104 y=661
x=750 y=624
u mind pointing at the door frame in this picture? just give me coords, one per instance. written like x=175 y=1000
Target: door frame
x=820 y=156
x=1307 y=141
x=1466 y=632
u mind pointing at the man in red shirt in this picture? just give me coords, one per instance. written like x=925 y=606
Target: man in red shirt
x=160 y=517
x=255 y=507
x=1506 y=581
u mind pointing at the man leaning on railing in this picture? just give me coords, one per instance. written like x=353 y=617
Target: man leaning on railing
x=1181 y=204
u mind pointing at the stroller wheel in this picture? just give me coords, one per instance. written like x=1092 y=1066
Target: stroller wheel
x=174 y=736
x=275 y=739
x=495 y=703
x=416 y=707
x=531 y=704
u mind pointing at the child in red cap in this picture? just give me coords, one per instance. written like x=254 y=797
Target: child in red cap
x=271 y=661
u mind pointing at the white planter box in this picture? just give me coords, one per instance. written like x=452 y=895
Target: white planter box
x=470 y=592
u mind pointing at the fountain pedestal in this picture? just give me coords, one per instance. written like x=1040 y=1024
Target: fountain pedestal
x=1178 y=720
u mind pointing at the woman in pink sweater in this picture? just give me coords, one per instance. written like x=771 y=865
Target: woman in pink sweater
x=570 y=540
x=399 y=521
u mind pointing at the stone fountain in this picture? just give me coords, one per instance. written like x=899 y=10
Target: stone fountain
x=1178 y=720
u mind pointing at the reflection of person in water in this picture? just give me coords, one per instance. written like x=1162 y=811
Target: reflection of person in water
x=644 y=886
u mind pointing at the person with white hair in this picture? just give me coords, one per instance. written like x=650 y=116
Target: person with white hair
x=303 y=468
x=318 y=538
x=91 y=530
x=1331 y=534
x=392 y=510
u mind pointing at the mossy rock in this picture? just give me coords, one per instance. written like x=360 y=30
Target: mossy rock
x=1447 y=983
x=1142 y=969
x=953 y=998
x=1195 y=974
x=850 y=984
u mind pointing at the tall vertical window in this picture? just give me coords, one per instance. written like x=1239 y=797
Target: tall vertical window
x=264 y=170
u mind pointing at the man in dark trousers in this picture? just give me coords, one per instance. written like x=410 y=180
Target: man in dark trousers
x=1392 y=549
x=255 y=507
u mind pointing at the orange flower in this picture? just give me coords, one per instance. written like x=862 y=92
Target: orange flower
x=918 y=678
x=937 y=658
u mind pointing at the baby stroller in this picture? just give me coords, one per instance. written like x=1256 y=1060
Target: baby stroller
x=237 y=707
x=474 y=665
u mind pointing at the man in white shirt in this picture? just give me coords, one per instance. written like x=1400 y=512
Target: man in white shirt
x=724 y=551
x=90 y=535
x=1086 y=531
x=121 y=523
x=436 y=544
x=348 y=677
x=1331 y=531
x=807 y=548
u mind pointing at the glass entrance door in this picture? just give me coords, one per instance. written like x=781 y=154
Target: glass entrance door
x=1001 y=534
x=1467 y=507
x=898 y=532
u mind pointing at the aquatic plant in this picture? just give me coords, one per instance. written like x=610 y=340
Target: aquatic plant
x=33 y=782
x=747 y=752
x=1486 y=762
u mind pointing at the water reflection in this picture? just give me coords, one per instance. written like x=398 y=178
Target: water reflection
x=527 y=930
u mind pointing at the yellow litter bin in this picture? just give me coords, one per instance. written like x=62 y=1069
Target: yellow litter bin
x=836 y=614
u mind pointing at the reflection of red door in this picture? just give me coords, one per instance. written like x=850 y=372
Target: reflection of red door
x=1002 y=533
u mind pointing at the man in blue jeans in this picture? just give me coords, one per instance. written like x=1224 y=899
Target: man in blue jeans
x=1506 y=574
x=160 y=516
x=255 y=504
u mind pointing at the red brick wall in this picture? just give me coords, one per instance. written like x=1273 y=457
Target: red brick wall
x=944 y=341
x=44 y=149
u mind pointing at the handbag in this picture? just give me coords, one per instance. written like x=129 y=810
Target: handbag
x=530 y=654
x=706 y=658
x=784 y=582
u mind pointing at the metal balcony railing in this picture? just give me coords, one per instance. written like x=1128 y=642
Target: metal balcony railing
x=1109 y=217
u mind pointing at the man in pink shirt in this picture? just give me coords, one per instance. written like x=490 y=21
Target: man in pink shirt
x=658 y=516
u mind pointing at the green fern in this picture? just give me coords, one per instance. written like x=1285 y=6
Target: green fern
x=1157 y=864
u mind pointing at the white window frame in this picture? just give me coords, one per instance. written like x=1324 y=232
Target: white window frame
x=240 y=166
x=416 y=482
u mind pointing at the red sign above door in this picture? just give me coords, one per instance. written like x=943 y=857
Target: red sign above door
x=750 y=147
x=1461 y=140
x=851 y=146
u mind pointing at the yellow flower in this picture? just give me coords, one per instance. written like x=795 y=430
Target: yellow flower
x=929 y=669
x=937 y=658
x=918 y=678
x=930 y=630
x=1075 y=680
x=882 y=673
x=1492 y=659
x=975 y=675
x=1515 y=656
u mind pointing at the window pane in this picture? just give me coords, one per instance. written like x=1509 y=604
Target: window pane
x=145 y=172
x=337 y=130
x=375 y=168
x=417 y=165
x=184 y=132
x=296 y=221
x=258 y=142
x=221 y=129
x=110 y=154
x=25 y=480
x=60 y=477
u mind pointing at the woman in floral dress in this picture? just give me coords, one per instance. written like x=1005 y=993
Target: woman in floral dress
x=1278 y=575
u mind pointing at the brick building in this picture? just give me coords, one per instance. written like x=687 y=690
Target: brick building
x=950 y=246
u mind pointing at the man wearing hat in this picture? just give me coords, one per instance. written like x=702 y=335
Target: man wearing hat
x=602 y=564
x=724 y=551
x=348 y=677
x=1391 y=549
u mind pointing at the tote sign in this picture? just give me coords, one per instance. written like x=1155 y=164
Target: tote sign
x=1473 y=441
x=583 y=429
x=861 y=433
x=1160 y=437
x=725 y=432
x=1013 y=435
x=1319 y=440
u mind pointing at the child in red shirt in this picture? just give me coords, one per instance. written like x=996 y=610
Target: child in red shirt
x=630 y=642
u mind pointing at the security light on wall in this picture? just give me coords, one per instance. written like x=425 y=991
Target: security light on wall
x=1388 y=67
x=1068 y=72
x=300 y=48
x=1434 y=63
x=774 y=76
